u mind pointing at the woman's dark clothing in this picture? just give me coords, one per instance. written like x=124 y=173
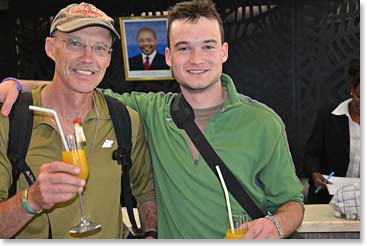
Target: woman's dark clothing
x=327 y=150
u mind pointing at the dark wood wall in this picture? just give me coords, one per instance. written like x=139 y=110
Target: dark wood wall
x=292 y=55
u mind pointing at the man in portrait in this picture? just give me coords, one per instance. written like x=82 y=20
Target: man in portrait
x=149 y=58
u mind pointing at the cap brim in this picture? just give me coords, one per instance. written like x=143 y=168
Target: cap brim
x=85 y=22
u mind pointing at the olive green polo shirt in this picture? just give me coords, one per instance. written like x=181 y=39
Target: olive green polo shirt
x=102 y=192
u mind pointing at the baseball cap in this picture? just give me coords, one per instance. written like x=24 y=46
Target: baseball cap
x=76 y=16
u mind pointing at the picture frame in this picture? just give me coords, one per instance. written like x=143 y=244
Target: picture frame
x=136 y=39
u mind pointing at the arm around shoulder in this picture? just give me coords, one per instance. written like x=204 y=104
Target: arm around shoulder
x=141 y=176
x=9 y=90
x=29 y=85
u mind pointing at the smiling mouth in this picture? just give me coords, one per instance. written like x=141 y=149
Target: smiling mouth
x=147 y=48
x=197 y=71
x=84 y=72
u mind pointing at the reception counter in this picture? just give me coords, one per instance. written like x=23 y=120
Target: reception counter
x=319 y=223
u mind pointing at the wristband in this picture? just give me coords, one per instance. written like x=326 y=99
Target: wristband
x=276 y=223
x=152 y=234
x=19 y=85
x=26 y=205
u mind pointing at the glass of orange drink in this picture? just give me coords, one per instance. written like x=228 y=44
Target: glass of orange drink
x=240 y=225
x=77 y=157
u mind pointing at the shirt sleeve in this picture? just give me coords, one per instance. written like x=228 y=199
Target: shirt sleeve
x=5 y=165
x=141 y=172
x=279 y=178
x=135 y=100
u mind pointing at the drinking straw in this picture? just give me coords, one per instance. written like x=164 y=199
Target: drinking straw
x=47 y=110
x=227 y=198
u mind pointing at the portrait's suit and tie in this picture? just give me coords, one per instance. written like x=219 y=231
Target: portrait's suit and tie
x=158 y=63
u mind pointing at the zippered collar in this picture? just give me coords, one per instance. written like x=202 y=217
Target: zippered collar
x=232 y=99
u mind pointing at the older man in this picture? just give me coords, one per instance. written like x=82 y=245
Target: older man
x=80 y=43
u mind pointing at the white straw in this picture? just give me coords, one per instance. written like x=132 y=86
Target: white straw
x=227 y=198
x=47 y=110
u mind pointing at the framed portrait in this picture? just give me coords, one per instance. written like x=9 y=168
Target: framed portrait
x=144 y=40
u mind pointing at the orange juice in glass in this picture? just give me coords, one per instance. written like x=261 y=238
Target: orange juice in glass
x=239 y=233
x=79 y=159
x=75 y=155
x=240 y=226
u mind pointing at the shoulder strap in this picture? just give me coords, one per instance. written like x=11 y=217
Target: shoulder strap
x=183 y=116
x=20 y=131
x=122 y=125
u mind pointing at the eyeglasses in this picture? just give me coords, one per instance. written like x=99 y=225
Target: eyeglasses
x=79 y=47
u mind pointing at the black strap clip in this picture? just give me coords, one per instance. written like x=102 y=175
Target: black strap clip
x=122 y=156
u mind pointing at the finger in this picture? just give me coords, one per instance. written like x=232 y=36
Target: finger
x=42 y=189
x=60 y=178
x=51 y=199
x=252 y=230
x=64 y=189
x=249 y=235
x=10 y=98
x=59 y=173
x=59 y=166
x=46 y=196
x=319 y=182
x=48 y=181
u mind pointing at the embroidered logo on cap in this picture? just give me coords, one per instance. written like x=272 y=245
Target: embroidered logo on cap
x=86 y=11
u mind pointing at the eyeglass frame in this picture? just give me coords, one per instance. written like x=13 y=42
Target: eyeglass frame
x=67 y=43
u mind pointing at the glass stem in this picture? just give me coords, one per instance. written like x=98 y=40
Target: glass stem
x=82 y=205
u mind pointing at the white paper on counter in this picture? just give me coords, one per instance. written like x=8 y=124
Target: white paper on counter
x=338 y=182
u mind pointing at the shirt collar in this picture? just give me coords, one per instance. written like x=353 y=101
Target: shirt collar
x=151 y=56
x=343 y=108
x=42 y=119
x=232 y=95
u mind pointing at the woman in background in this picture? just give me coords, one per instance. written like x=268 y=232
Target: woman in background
x=334 y=144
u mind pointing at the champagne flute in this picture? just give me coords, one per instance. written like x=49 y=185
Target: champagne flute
x=77 y=157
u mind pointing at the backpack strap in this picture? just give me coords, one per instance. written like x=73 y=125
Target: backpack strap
x=122 y=125
x=20 y=131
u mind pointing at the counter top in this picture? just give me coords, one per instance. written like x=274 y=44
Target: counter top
x=317 y=218
x=320 y=218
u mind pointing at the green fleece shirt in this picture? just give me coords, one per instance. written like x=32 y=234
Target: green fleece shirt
x=102 y=192
x=248 y=136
